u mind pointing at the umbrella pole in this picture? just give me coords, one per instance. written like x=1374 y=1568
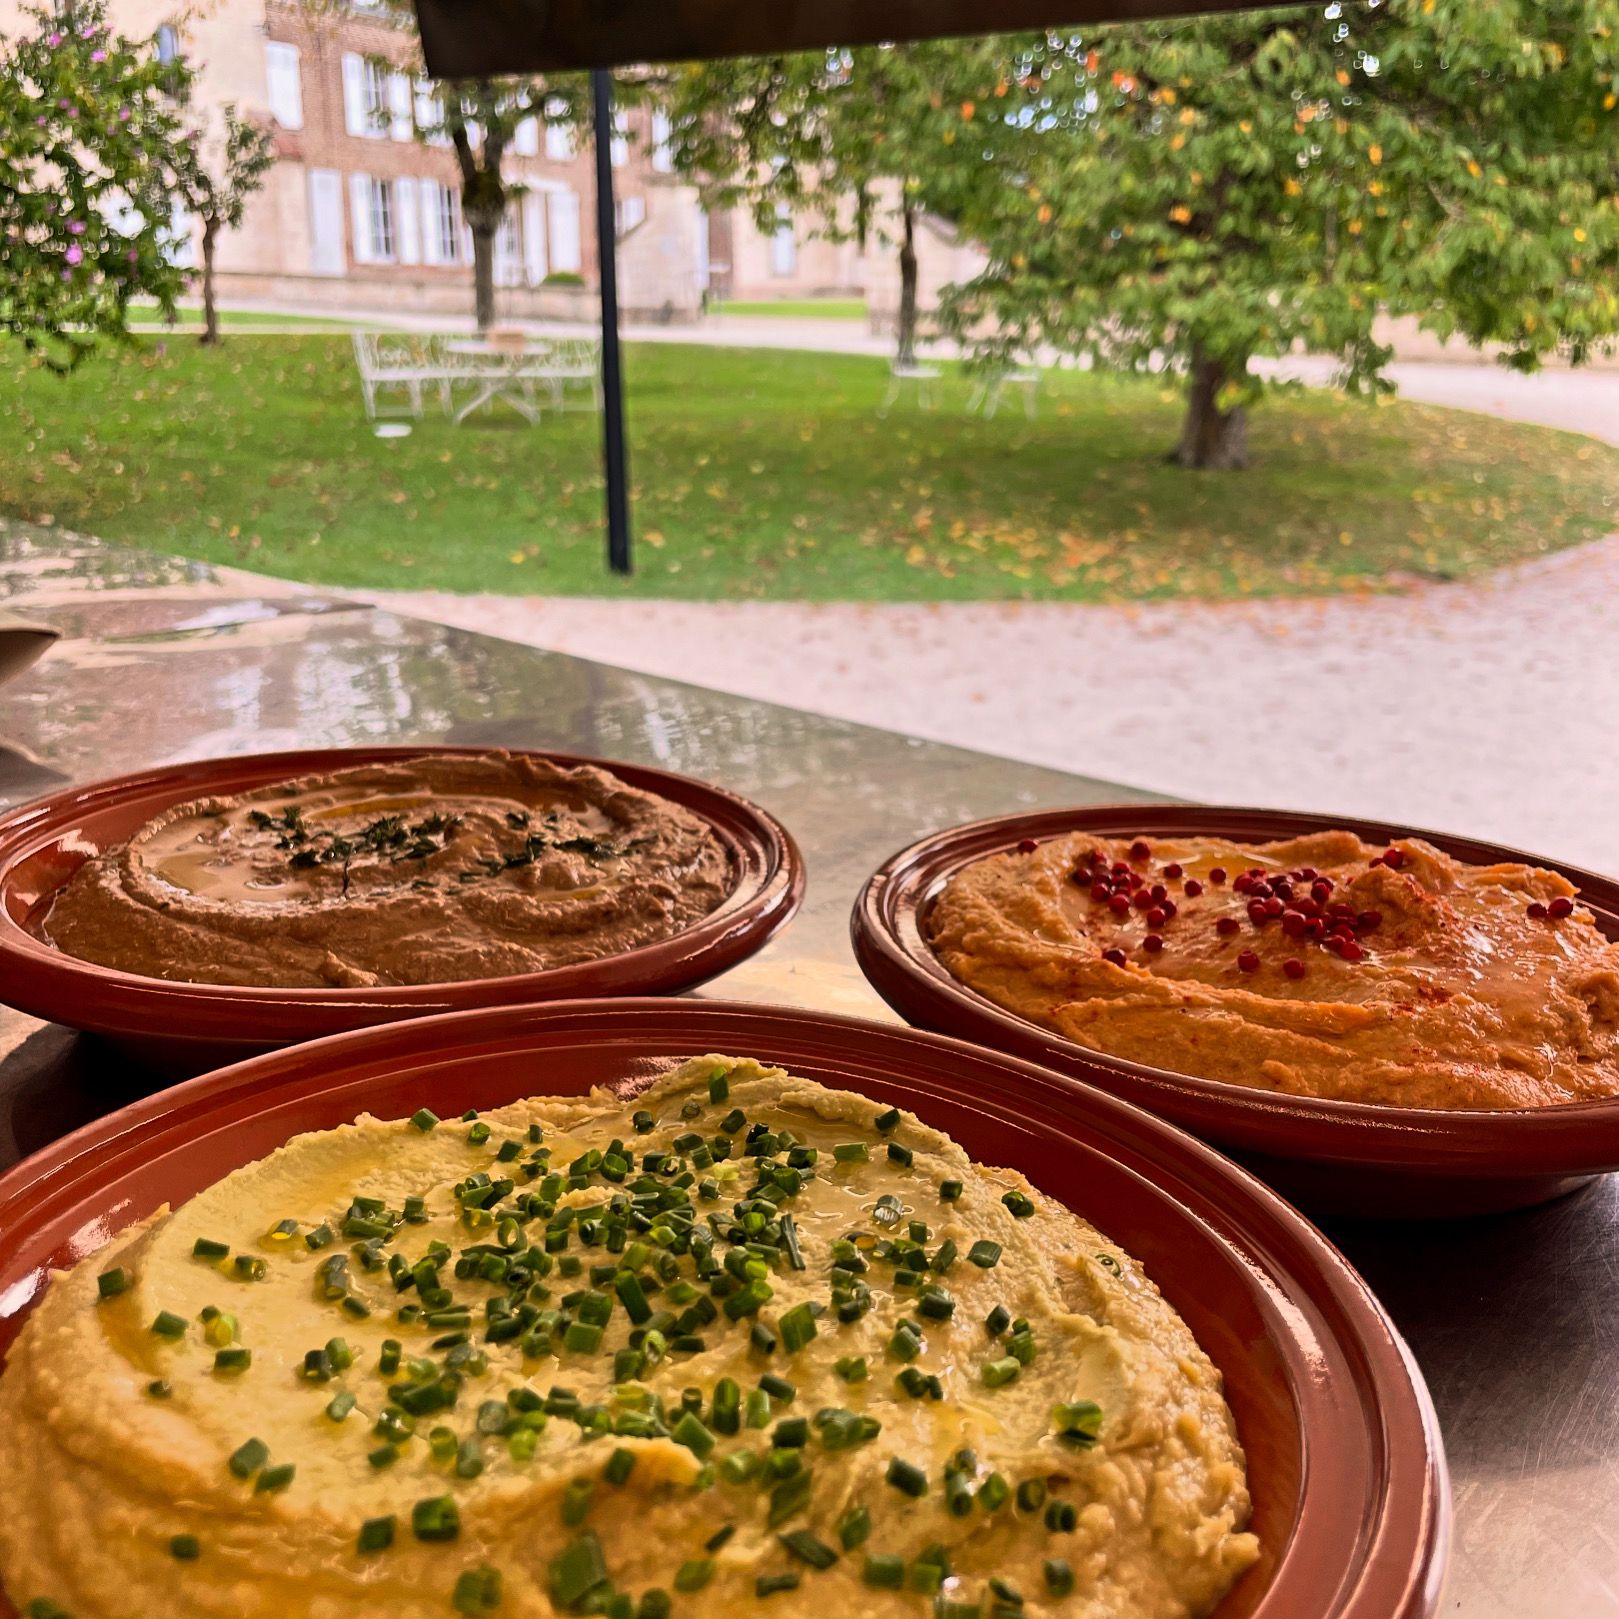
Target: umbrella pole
x=614 y=456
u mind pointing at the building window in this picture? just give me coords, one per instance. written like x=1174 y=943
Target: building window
x=168 y=44
x=449 y=225
x=558 y=135
x=365 y=97
x=441 y=223
x=284 y=85
x=562 y=221
x=663 y=159
x=382 y=219
x=620 y=147
x=371 y=202
x=628 y=212
x=783 y=246
x=526 y=138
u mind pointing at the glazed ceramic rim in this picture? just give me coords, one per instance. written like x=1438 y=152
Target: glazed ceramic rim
x=1573 y=1138
x=40 y=979
x=1354 y=1385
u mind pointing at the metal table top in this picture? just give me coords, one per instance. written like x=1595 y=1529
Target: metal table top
x=1514 y=1319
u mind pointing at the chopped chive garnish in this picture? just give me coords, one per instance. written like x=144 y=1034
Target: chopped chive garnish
x=248 y=1458
x=852 y=1152
x=166 y=1324
x=274 y=1479
x=886 y=1120
x=1031 y=1495
x=719 y=1087
x=655 y=1604
x=796 y=1327
x=994 y=1493
x=790 y=1496
x=907 y=1477
x=424 y=1118
x=110 y=1283
x=376 y=1534
x=1078 y=1421
x=691 y=1432
x=884 y=1571
x=719 y=1538
x=950 y=1191
x=160 y=1388
x=997 y=1321
x=339 y=1406
x=249 y=1268
x=576 y=1501
x=852 y=1368
x=1061 y=1517
x=185 y=1547
x=206 y=1248
x=985 y=1255
x=232 y=1361
x=619 y=1466
x=898 y=1154
x=477 y=1590
x=1059 y=1577
x=579 y=1567
x=767 y=1585
x=1020 y=1205
x=997 y=1373
x=694 y=1575
x=854 y=1528
x=778 y=1388
x=436 y=1518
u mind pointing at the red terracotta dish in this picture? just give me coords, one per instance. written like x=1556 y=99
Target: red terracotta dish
x=1338 y=1157
x=183 y=1028
x=1351 y=1501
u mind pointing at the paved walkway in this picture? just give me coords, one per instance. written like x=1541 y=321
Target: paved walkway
x=1489 y=708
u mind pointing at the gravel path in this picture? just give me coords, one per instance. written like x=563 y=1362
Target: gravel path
x=1489 y=708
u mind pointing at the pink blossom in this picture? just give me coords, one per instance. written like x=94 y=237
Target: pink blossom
x=123 y=115
x=76 y=227
x=54 y=40
x=133 y=256
x=98 y=56
x=75 y=254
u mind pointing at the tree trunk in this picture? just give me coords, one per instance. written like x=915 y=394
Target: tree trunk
x=907 y=291
x=483 y=272
x=210 y=315
x=1212 y=439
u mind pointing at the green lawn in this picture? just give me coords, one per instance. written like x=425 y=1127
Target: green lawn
x=770 y=474
x=828 y=308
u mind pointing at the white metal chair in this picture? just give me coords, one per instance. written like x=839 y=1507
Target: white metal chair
x=570 y=362
x=406 y=360
x=987 y=390
x=920 y=377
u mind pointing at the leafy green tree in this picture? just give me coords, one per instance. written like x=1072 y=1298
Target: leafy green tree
x=850 y=139
x=1191 y=195
x=479 y=118
x=91 y=157
x=217 y=187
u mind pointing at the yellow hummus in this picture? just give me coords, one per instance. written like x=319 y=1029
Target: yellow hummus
x=739 y=1345
x=431 y=870
x=1320 y=966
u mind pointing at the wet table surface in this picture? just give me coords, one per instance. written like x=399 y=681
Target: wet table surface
x=1514 y=1319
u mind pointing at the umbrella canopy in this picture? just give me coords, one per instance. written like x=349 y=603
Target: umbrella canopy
x=475 y=38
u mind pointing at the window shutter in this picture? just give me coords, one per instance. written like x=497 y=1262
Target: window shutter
x=355 y=118
x=534 y=238
x=563 y=216
x=400 y=125
x=360 y=216
x=407 y=213
x=283 y=84
x=427 y=192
